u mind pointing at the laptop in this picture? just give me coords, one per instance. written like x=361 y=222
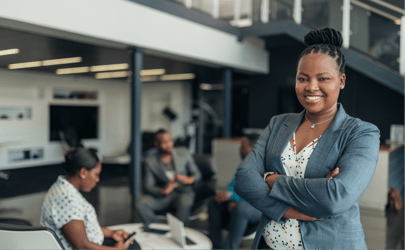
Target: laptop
x=177 y=231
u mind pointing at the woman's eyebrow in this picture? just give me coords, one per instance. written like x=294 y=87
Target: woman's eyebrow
x=323 y=73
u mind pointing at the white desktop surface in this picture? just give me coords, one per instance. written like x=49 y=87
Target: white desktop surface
x=163 y=241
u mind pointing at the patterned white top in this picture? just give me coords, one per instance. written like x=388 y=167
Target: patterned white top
x=64 y=203
x=288 y=235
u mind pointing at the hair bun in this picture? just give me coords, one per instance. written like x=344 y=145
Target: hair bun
x=324 y=36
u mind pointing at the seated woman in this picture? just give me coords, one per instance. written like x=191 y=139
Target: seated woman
x=69 y=214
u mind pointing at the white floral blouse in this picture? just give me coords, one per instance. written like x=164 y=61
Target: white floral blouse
x=288 y=235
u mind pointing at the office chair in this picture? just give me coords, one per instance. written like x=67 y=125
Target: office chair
x=26 y=237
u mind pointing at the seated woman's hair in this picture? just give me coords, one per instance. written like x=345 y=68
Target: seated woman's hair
x=80 y=158
x=325 y=41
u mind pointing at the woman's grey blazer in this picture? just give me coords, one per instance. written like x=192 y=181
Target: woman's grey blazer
x=348 y=143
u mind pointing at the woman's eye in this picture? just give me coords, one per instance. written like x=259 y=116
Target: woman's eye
x=301 y=79
x=324 y=79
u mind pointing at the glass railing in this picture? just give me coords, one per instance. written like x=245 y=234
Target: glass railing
x=374 y=30
x=375 y=35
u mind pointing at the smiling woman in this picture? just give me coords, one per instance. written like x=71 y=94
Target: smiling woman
x=308 y=170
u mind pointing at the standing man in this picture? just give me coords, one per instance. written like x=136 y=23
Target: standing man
x=228 y=207
x=169 y=176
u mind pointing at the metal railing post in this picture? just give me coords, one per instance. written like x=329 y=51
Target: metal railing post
x=346 y=24
x=297 y=15
x=215 y=9
x=402 y=47
x=237 y=6
x=264 y=11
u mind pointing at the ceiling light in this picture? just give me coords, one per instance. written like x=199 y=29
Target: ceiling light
x=72 y=70
x=116 y=74
x=205 y=86
x=61 y=61
x=174 y=77
x=25 y=65
x=149 y=78
x=109 y=67
x=9 y=52
x=152 y=72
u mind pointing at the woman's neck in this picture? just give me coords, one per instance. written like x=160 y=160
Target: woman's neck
x=316 y=118
x=74 y=180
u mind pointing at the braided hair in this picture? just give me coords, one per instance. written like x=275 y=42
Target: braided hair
x=80 y=158
x=326 y=41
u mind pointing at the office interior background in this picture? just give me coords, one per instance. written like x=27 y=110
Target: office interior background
x=110 y=73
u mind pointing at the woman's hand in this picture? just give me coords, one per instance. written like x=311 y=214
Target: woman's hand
x=293 y=213
x=122 y=245
x=221 y=197
x=333 y=173
x=270 y=179
x=119 y=235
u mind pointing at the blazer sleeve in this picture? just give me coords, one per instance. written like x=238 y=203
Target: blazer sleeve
x=150 y=182
x=249 y=183
x=193 y=169
x=321 y=197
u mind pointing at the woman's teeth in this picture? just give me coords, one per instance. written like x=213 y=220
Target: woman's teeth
x=313 y=97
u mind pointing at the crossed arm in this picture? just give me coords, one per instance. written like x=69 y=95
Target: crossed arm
x=318 y=197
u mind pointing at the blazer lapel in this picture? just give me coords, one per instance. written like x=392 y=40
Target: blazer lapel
x=325 y=145
x=279 y=142
x=157 y=168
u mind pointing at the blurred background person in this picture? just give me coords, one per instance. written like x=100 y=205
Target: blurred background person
x=169 y=177
x=70 y=215
x=227 y=207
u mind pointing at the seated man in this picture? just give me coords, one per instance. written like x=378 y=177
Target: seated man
x=228 y=207
x=169 y=176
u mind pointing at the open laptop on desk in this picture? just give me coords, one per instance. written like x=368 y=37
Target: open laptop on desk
x=177 y=231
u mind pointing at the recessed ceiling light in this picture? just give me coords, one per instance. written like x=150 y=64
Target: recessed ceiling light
x=174 y=77
x=152 y=72
x=72 y=70
x=9 y=52
x=109 y=67
x=116 y=74
x=25 y=65
x=61 y=61
x=149 y=78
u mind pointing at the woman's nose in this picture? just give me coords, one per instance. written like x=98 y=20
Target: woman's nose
x=312 y=85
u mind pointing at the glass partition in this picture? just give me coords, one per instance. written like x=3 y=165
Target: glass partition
x=320 y=14
x=376 y=36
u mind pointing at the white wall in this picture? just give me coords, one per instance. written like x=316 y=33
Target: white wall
x=114 y=112
x=128 y=23
x=157 y=96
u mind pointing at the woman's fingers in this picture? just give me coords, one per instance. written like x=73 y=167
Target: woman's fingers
x=333 y=173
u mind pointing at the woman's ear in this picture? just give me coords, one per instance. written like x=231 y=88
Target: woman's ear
x=342 y=82
x=83 y=173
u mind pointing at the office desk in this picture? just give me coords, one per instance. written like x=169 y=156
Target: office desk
x=163 y=241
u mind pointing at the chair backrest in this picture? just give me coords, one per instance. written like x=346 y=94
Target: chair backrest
x=26 y=237
x=206 y=165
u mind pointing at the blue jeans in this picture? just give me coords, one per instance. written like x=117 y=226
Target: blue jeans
x=242 y=214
